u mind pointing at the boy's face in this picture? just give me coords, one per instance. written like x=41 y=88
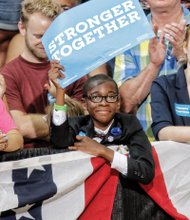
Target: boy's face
x=102 y=112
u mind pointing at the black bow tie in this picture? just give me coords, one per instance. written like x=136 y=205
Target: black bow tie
x=101 y=136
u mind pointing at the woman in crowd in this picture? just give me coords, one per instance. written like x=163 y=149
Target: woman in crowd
x=170 y=102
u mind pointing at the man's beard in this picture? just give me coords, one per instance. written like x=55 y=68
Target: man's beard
x=35 y=53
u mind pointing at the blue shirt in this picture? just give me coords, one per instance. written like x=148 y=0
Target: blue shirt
x=170 y=103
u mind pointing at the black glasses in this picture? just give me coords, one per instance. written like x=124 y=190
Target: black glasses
x=99 y=98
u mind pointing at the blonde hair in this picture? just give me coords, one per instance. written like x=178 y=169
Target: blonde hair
x=48 y=8
x=74 y=107
x=187 y=35
x=182 y=59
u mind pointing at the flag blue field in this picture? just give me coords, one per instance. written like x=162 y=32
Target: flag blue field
x=43 y=188
x=92 y=33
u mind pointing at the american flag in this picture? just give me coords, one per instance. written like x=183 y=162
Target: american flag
x=74 y=185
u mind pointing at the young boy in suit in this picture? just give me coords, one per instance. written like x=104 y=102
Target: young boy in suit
x=103 y=127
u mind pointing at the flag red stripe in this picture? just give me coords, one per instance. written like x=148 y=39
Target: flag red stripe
x=100 y=189
x=158 y=191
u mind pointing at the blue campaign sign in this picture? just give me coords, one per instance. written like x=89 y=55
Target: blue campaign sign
x=92 y=33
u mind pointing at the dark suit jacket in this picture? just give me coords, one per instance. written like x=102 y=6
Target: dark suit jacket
x=140 y=160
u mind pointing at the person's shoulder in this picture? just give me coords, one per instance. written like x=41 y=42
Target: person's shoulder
x=166 y=79
x=165 y=84
x=13 y=49
x=13 y=61
x=11 y=65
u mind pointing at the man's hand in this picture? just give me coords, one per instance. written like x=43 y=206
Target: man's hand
x=175 y=33
x=157 y=49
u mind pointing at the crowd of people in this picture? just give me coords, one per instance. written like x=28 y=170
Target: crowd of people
x=139 y=96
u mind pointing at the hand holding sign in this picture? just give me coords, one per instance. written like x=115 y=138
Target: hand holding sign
x=55 y=73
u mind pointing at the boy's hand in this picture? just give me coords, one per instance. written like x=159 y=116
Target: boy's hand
x=55 y=73
x=87 y=145
x=51 y=88
x=90 y=146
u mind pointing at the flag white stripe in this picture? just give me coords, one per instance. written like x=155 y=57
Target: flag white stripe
x=174 y=160
x=70 y=198
x=68 y=169
x=6 y=189
x=65 y=207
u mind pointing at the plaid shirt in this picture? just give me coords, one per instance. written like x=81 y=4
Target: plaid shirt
x=132 y=62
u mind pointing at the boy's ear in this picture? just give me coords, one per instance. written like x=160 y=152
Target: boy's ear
x=22 y=28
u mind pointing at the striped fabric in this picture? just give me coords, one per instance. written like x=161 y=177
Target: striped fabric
x=73 y=185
